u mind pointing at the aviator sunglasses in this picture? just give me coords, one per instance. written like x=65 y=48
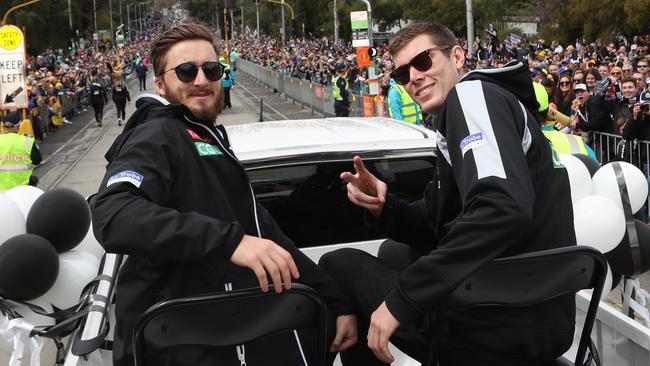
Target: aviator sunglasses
x=422 y=62
x=187 y=71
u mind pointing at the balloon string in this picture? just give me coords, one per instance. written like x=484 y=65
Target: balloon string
x=639 y=304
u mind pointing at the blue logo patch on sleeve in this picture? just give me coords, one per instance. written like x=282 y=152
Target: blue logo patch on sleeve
x=127 y=176
x=471 y=141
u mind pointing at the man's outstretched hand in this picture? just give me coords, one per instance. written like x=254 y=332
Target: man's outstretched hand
x=265 y=256
x=364 y=189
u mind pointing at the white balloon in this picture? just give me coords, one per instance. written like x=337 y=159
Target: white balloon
x=76 y=270
x=89 y=244
x=579 y=177
x=606 y=184
x=12 y=221
x=24 y=197
x=598 y=223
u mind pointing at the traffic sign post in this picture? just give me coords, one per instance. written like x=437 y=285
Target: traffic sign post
x=13 y=81
x=365 y=52
x=359 y=22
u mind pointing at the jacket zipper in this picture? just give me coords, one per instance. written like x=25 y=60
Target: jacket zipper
x=241 y=351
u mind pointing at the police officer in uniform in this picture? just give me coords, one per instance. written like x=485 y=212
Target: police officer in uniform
x=341 y=91
x=18 y=155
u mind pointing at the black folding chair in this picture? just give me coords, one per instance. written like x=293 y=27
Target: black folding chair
x=532 y=278
x=230 y=319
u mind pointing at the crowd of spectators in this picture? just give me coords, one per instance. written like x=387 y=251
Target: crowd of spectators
x=309 y=59
x=617 y=65
x=58 y=79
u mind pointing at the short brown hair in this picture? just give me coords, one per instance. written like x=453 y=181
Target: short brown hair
x=628 y=80
x=439 y=34
x=161 y=45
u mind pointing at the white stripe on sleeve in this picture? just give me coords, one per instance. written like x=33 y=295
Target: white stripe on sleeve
x=486 y=155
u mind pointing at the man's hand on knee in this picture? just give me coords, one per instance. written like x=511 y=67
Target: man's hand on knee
x=382 y=326
x=346 y=333
x=264 y=256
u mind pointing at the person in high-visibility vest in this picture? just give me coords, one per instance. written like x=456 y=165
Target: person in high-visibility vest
x=18 y=155
x=402 y=106
x=341 y=91
x=563 y=143
x=234 y=55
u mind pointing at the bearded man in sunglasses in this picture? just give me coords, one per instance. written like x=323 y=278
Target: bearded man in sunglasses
x=176 y=200
x=497 y=191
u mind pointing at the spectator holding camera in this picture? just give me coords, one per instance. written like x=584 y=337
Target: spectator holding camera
x=592 y=113
x=637 y=116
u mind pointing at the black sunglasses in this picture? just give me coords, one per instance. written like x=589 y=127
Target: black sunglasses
x=565 y=83
x=187 y=71
x=422 y=62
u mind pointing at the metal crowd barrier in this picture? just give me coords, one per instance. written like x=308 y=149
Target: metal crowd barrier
x=310 y=95
x=609 y=147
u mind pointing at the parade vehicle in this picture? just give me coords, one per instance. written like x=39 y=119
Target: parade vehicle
x=294 y=168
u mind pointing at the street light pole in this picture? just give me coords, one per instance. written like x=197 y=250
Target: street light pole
x=120 y=12
x=232 y=24
x=128 y=20
x=369 y=9
x=95 y=15
x=283 y=30
x=241 y=7
x=257 y=6
x=217 y=15
x=70 y=14
x=336 y=25
x=110 y=13
x=470 y=29
x=225 y=29
x=141 y=13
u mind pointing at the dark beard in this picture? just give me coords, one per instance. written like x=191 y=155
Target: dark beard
x=209 y=115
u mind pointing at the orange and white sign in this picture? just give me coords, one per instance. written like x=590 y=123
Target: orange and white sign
x=363 y=57
x=13 y=68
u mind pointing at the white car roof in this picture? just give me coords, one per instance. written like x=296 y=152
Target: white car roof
x=254 y=141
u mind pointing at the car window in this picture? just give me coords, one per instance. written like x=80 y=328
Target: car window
x=309 y=201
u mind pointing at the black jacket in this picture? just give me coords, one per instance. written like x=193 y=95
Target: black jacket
x=496 y=192
x=636 y=129
x=596 y=115
x=178 y=202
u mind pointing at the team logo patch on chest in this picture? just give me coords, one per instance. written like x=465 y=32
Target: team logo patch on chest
x=205 y=149
x=472 y=141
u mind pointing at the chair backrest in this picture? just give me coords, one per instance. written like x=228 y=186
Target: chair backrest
x=242 y=316
x=532 y=278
